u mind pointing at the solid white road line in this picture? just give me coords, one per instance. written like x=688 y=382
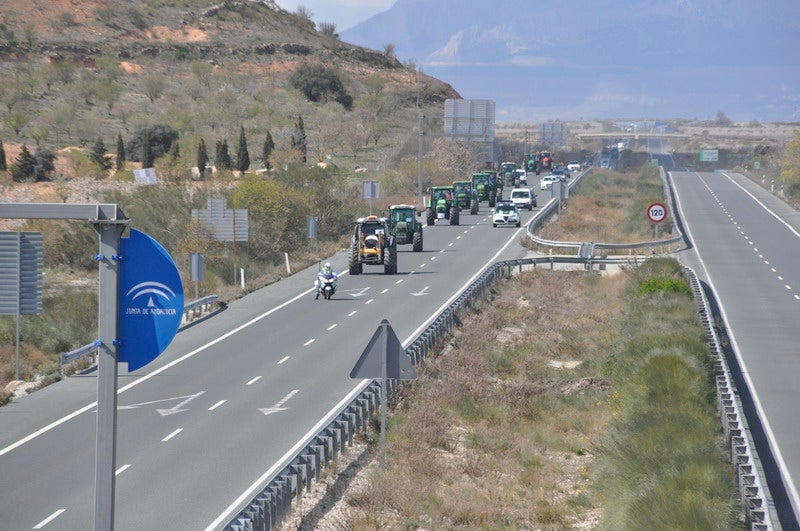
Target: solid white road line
x=254 y=380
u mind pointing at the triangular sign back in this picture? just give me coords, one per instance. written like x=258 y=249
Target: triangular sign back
x=384 y=342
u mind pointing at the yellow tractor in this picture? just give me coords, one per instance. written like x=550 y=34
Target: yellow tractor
x=373 y=244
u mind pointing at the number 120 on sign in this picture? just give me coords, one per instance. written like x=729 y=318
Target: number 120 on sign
x=656 y=212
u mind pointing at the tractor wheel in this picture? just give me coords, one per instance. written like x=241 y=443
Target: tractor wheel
x=492 y=199
x=355 y=264
x=430 y=217
x=417 y=240
x=390 y=265
x=454 y=216
x=473 y=208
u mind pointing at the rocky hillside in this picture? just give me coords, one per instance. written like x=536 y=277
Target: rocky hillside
x=78 y=71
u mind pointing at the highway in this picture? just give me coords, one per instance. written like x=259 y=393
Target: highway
x=231 y=395
x=746 y=246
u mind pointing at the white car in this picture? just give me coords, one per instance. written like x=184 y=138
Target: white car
x=522 y=175
x=547 y=181
x=574 y=165
x=506 y=213
x=523 y=198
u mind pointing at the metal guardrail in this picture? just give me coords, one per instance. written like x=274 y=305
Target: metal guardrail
x=191 y=311
x=753 y=493
x=552 y=205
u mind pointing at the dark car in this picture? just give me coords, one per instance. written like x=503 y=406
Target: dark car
x=561 y=173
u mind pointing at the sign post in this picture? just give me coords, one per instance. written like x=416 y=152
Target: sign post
x=384 y=358
x=656 y=213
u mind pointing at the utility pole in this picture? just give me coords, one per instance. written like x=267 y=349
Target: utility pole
x=420 y=167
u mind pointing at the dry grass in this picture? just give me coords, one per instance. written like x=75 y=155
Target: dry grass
x=493 y=436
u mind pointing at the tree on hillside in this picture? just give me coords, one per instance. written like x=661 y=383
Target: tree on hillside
x=147 y=158
x=3 y=165
x=202 y=158
x=328 y=29
x=23 y=166
x=242 y=155
x=299 y=140
x=99 y=155
x=266 y=150
x=153 y=85
x=222 y=157
x=161 y=139
x=120 y=152
x=44 y=164
x=320 y=83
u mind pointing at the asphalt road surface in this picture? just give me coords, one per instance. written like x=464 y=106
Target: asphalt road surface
x=231 y=396
x=746 y=246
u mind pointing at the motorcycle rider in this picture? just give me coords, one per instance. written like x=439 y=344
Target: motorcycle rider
x=326 y=273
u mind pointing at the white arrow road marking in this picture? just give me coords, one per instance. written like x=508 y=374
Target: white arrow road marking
x=49 y=519
x=140 y=404
x=177 y=408
x=359 y=293
x=421 y=292
x=278 y=406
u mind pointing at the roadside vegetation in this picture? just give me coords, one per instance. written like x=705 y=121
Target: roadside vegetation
x=610 y=206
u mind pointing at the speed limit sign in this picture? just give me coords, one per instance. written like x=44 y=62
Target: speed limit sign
x=656 y=212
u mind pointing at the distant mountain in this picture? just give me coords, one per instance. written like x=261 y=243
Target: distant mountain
x=544 y=59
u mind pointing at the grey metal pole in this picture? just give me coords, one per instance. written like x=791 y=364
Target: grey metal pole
x=19 y=299
x=384 y=398
x=107 y=351
x=420 y=153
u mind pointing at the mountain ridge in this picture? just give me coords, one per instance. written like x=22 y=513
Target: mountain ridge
x=604 y=40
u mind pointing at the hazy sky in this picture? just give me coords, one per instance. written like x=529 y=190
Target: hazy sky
x=344 y=13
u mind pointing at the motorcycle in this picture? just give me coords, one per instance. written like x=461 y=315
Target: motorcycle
x=327 y=286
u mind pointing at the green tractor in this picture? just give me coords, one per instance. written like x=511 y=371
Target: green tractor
x=441 y=205
x=373 y=244
x=404 y=226
x=466 y=196
x=485 y=185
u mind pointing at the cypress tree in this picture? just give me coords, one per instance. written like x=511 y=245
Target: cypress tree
x=202 y=158
x=24 y=166
x=3 y=165
x=120 y=152
x=299 y=141
x=99 y=156
x=147 y=151
x=242 y=155
x=266 y=150
x=222 y=157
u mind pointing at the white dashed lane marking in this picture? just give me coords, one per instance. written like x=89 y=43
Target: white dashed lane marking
x=171 y=435
x=215 y=406
x=122 y=469
x=254 y=380
x=307 y=343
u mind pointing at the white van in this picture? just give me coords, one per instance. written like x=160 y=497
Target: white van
x=523 y=198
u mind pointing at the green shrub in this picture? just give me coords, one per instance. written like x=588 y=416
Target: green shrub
x=664 y=285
